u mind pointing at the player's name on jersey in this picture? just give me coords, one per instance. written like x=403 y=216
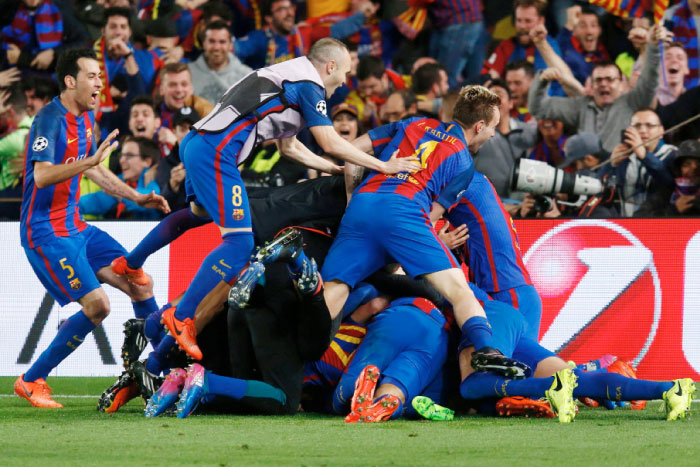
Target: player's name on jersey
x=439 y=134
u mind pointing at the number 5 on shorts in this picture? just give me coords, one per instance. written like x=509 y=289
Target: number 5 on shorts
x=64 y=266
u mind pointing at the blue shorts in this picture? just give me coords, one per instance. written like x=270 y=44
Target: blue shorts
x=526 y=300
x=408 y=345
x=381 y=229
x=67 y=266
x=530 y=352
x=213 y=182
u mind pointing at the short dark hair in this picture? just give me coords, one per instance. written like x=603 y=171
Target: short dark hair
x=67 y=64
x=148 y=149
x=146 y=100
x=501 y=83
x=214 y=8
x=216 y=26
x=526 y=66
x=43 y=88
x=605 y=64
x=425 y=77
x=408 y=97
x=587 y=10
x=17 y=98
x=116 y=11
x=370 y=66
x=266 y=7
x=475 y=103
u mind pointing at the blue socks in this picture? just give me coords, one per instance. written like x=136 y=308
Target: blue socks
x=165 y=232
x=615 y=387
x=296 y=265
x=154 y=328
x=480 y=385
x=158 y=359
x=222 y=264
x=70 y=335
x=145 y=308
x=477 y=331
x=238 y=388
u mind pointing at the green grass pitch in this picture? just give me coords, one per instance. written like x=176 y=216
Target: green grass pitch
x=78 y=435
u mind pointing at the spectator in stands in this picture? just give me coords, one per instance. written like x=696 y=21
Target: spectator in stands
x=519 y=77
x=429 y=84
x=177 y=91
x=138 y=160
x=162 y=38
x=512 y=139
x=399 y=105
x=685 y=199
x=374 y=84
x=39 y=92
x=608 y=111
x=346 y=123
x=579 y=41
x=682 y=20
x=39 y=31
x=648 y=168
x=117 y=60
x=528 y=15
x=170 y=174
x=457 y=40
x=190 y=23
x=584 y=152
x=283 y=39
x=144 y=119
x=551 y=139
x=217 y=68
x=675 y=71
x=638 y=36
x=13 y=108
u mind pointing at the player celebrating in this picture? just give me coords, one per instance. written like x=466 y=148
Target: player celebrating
x=270 y=103
x=388 y=216
x=70 y=257
x=492 y=251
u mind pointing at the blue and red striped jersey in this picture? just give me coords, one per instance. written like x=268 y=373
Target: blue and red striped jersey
x=447 y=12
x=492 y=250
x=446 y=165
x=327 y=371
x=59 y=137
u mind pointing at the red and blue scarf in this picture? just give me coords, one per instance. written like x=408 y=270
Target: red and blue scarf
x=46 y=25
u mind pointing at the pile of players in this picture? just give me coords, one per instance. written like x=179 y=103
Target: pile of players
x=356 y=338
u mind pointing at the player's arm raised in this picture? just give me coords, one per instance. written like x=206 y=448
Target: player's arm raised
x=293 y=149
x=333 y=144
x=47 y=173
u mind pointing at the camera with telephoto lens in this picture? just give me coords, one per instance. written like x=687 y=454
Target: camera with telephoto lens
x=540 y=178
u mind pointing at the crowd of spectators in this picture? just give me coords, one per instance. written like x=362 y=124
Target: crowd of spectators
x=581 y=90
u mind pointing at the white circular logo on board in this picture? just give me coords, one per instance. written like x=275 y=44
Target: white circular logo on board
x=40 y=144
x=321 y=107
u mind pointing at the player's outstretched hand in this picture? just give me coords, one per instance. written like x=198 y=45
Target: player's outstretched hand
x=454 y=238
x=107 y=146
x=153 y=201
x=403 y=164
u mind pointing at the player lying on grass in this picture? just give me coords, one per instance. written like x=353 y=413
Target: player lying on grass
x=371 y=370
x=510 y=328
x=70 y=257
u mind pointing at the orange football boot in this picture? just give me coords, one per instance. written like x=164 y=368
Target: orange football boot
x=516 y=406
x=365 y=386
x=36 y=392
x=184 y=333
x=380 y=411
x=135 y=276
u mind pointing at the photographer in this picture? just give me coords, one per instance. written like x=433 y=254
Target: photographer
x=648 y=168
